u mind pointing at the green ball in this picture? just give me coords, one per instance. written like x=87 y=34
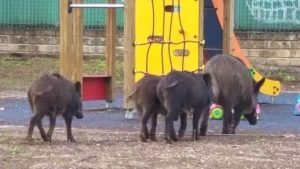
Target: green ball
x=216 y=113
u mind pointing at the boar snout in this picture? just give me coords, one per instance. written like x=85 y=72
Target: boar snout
x=79 y=115
x=252 y=118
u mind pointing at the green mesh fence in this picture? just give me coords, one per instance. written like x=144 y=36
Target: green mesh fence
x=250 y=15
x=45 y=13
x=28 y=13
x=94 y=18
x=267 y=15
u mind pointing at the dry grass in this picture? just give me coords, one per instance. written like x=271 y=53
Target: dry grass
x=17 y=73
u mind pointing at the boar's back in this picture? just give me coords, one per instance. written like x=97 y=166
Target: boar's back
x=52 y=89
x=186 y=88
x=144 y=90
x=231 y=80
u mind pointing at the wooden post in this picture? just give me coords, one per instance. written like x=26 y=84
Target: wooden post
x=228 y=26
x=201 y=33
x=129 y=53
x=110 y=48
x=65 y=38
x=71 y=45
x=77 y=43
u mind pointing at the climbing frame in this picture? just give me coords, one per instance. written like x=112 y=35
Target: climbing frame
x=168 y=36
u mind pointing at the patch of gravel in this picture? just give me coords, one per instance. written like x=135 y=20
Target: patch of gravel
x=119 y=149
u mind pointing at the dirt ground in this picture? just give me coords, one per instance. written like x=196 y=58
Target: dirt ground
x=96 y=148
x=120 y=148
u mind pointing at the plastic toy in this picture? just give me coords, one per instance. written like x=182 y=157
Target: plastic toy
x=297 y=106
x=216 y=111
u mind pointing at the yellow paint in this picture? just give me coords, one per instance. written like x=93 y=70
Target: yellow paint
x=270 y=87
x=189 y=14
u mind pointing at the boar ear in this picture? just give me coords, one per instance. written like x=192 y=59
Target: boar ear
x=78 y=87
x=258 y=85
x=207 y=79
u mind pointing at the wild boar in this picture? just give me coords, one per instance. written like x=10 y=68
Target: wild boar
x=147 y=104
x=234 y=89
x=53 y=95
x=184 y=91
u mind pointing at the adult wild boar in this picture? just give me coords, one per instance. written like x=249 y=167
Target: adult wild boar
x=53 y=95
x=234 y=89
x=147 y=104
x=180 y=92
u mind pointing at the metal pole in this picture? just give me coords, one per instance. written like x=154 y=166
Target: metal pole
x=97 y=5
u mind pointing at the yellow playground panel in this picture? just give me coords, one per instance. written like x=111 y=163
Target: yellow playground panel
x=270 y=87
x=166 y=36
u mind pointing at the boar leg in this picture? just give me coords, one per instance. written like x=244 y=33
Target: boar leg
x=33 y=121
x=204 y=121
x=144 y=135
x=237 y=117
x=227 y=118
x=52 y=120
x=68 y=120
x=168 y=124
x=173 y=132
x=42 y=131
x=183 y=125
x=196 y=118
x=153 y=126
x=173 y=111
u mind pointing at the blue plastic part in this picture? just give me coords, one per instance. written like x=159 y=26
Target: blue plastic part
x=213 y=32
x=297 y=106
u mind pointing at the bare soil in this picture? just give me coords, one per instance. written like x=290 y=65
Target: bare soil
x=97 y=148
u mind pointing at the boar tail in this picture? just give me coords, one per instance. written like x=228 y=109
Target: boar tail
x=258 y=85
x=57 y=75
x=171 y=85
x=30 y=99
x=207 y=79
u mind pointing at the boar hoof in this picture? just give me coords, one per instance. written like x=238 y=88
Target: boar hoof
x=45 y=139
x=168 y=141
x=231 y=131
x=49 y=138
x=225 y=131
x=71 y=139
x=30 y=140
x=181 y=134
x=175 y=139
x=202 y=133
x=143 y=139
x=152 y=137
x=195 y=135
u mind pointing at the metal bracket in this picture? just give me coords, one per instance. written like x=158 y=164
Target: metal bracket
x=69 y=6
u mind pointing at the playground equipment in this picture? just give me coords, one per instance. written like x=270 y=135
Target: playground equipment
x=153 y=29
x=297 y=106
x=224 y=21
x=174 y=34
x=95 y=87
x=168 y=36
x=159 y=35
